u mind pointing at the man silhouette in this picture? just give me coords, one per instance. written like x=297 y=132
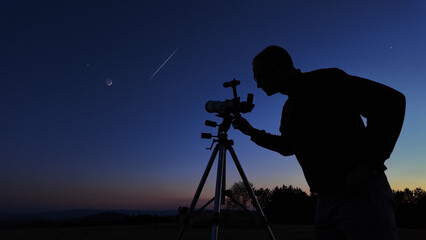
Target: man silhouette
x=342 y=159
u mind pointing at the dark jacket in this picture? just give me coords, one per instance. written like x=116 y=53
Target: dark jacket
x=321 y=125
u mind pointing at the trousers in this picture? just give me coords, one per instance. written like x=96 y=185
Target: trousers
x=368 y=214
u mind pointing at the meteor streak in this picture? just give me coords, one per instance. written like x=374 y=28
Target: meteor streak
x=163 y=64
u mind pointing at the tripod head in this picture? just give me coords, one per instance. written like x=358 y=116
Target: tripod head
x=228 y=110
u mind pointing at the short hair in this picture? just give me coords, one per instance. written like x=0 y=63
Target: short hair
x=274 y=56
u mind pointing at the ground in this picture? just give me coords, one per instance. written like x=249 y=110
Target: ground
x=170 y=231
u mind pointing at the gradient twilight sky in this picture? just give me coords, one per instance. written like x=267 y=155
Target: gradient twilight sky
x=68 y=140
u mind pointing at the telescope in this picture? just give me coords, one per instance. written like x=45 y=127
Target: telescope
x=231 y=106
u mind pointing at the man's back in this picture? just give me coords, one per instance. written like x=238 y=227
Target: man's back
x=325 y=128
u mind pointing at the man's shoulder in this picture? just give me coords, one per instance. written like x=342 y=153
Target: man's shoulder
x=325 y=78
x=326 y=72
x=323 y=82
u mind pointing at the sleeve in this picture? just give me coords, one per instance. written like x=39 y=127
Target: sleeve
x=272 y=142
x=384 y=109
x=278 y=143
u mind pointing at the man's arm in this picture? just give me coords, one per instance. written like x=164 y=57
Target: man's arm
x=384 y=109
x=266 y=140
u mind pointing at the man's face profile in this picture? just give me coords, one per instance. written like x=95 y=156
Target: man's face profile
x=264 y=79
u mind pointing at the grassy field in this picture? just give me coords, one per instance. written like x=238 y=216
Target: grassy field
x=170 y=231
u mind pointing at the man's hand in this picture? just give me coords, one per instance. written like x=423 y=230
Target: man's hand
x=243 y=125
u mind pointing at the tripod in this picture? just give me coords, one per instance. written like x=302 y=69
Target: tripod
x=223 y=145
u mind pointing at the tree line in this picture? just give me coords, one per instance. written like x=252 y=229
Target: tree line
x=291 y=205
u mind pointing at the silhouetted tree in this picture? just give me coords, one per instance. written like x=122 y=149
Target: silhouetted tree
x=264 y=196
x=239 y=193
x=291 y=205
x=283 y=204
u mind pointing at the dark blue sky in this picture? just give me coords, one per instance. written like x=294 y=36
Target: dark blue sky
x=68 y=140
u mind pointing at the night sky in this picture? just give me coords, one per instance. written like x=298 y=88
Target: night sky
x=102 y=102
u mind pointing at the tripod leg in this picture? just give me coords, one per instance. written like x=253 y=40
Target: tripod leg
x=251 y=192
x=198 y=192
x=224 y=178
x=219 y=191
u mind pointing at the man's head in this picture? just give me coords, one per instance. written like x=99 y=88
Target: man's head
x=272 y=69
